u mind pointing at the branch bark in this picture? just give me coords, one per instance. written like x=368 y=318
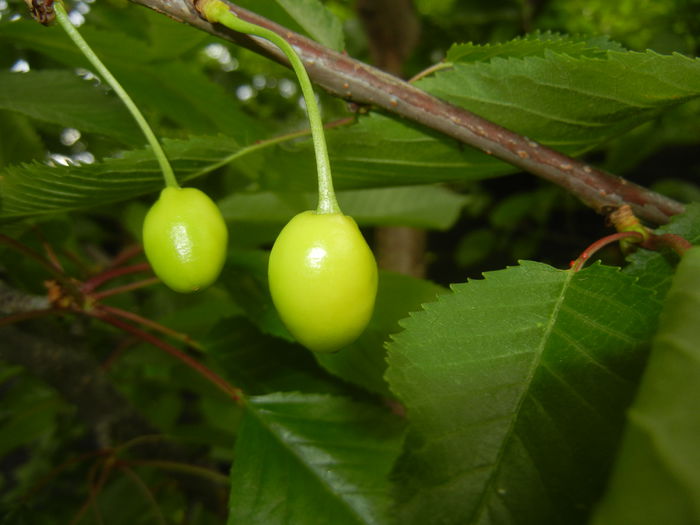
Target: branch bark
x=358 y=82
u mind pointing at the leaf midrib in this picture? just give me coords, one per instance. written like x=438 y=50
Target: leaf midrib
x=271 y=428
x=482 y=504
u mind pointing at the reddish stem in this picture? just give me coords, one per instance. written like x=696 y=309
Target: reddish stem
x=127 y=253
x=112 y=273
x=24 y=316
x=601 y=243
x=50 y=254
x=235 y=393
x=95 y=489
x=26 y=250
x=150 y=324
x=125 y=288
x=57 y=470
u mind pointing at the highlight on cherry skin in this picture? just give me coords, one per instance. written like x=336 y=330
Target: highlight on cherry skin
x=185 y=239
x=323 y=280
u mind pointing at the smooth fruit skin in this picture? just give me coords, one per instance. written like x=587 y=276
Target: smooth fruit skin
x=323 y=280
x=185 y=239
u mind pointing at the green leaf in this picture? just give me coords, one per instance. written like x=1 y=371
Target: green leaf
x=657 y=474
x=379 y=151
x=431 y=207
x=176 y=90
x=314 y=460
x=20 y=141
x=71 y=102
x=36 y=189
x=515 y=388
x=572 y=103
x=308 y=17
x=533 y=44
x=318 y=21
x=261 y=364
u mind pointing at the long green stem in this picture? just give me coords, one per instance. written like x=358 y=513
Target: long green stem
x=217 y=11
x=72 y=32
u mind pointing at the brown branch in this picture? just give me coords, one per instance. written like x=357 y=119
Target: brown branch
x=358 y=82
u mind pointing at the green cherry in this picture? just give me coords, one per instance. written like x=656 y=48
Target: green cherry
x=185 y=238
x=323 y=280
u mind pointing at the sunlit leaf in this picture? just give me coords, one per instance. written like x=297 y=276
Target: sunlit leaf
x=516 y=388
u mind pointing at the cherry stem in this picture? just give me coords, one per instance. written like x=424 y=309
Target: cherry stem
x=101 y=278
x=235 y=393
x=126 y=288
x=184 y=338
x=75 y=36
x=577 y=265
x=217 y=11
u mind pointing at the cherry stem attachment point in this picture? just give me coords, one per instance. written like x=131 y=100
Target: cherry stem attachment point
x=217 y=11
x=75 y=36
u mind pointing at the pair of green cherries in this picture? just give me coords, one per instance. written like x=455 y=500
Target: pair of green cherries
x=322 y=274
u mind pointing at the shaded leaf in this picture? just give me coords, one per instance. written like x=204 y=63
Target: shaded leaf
x=312 y=460
x=657 y=474
x=516 y=387
x=71 y=102
x=418 y=206
x=20 y=141
x=173 y=88
x=261 y=364
x=363 y=362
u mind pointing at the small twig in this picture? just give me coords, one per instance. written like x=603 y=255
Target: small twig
x=184 y=468
x=112 y=273
x=95 y=489
x=26 y=250
x=50 y=253
x=429 y=71
x=151 y=324
x=127 y=253
x=25 y=316
x=143 y=488
x=234 y=393
x=58 y=469
x=125 y=288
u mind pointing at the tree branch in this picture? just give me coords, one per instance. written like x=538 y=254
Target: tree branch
x=358 y=82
